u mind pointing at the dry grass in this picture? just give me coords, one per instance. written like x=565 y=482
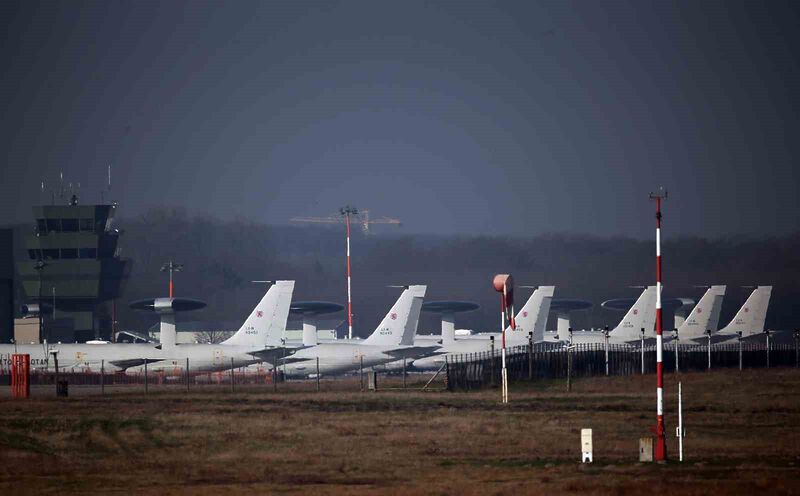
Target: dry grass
x=742 y=439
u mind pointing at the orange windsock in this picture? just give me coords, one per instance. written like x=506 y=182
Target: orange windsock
x=504 y=283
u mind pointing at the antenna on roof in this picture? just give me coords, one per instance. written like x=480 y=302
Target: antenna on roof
x=108 y=187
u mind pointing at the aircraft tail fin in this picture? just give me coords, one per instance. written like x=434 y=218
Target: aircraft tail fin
x=642 y=315
x=448 y=329
x=267 y=322
x=704 y=316
x=750 y=318
x=532 y=317
x=400 y=324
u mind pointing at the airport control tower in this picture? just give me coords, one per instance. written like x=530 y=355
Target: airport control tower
x=73 y=270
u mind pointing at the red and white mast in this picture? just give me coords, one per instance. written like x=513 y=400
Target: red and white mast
x=347 y=212
x=661 y=441
x=171 y=267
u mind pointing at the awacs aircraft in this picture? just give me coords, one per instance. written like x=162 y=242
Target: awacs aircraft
x=749 y=320
x=532 y=318
x=256 y=341
x=392 y=340
x=703 y=317
x=642 y=315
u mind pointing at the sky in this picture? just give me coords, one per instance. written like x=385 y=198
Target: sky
x=458 y=118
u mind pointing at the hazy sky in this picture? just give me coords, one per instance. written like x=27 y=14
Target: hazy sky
x=454 y=116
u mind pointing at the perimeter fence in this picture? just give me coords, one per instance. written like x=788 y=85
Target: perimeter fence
x=553 y=361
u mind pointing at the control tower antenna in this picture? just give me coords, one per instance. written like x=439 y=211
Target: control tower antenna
x=108 y=187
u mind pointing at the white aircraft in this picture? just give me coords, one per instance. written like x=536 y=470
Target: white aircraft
x=256 y=341
x=393 y=339
x=749 y=320
x=532 y=318
x=642 y=315
x=704 y=317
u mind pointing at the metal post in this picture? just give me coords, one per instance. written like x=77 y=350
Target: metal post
x=55 y=363
x=39 y=266
x=491 y=359
x=361 y=371
x=677 y=347
x=187 y=374
x=404 y=373
x=569 y=368
x=530 y=356
x=503 y=371
x=605 y=340
x=740 y=350
x=317 y=374
x=767 y=333
x=708 y=332
x=233 y=377
x=661 y=441
x=642 y=350
x=275 y=378
x=796 y=350
x=145 y=376
x=680 y=423
x=102 y=377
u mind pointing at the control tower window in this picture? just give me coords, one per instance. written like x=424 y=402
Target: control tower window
x=41 y=226
x=50 y=254
x=88 y=253
x=69 y=253
x=87 y=224
x=54 y=225
x=69 y=225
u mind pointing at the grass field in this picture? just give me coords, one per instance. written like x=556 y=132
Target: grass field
x=742 y=438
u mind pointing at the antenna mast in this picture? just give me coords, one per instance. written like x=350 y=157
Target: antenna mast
x=661 y=441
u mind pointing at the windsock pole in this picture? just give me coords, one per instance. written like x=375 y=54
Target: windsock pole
x=503 y=284
x=661 y=441
x=504 y=377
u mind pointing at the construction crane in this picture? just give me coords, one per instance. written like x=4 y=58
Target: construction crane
x=348 y=214
x=360 y=216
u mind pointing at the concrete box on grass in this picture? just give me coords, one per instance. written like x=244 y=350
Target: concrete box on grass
x=646 y=449
x=372 y=380
x=586 y=445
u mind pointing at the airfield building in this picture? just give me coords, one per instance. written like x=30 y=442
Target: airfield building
x=73 y=271
x=6 y=285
